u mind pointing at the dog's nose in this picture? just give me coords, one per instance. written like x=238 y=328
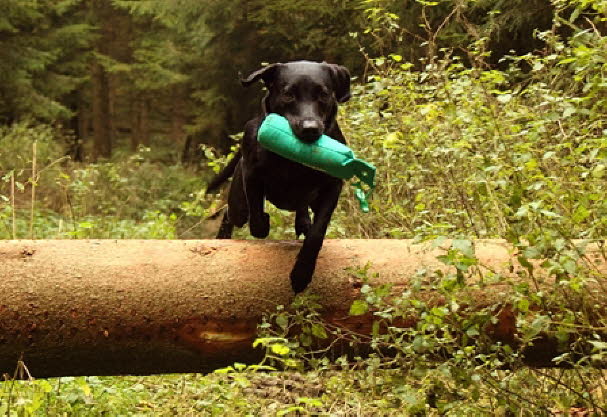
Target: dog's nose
x=310 y=129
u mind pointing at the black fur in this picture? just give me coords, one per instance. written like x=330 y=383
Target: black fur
x=306 y=94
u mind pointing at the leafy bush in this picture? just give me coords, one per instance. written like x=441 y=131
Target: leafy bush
x=128 y=198
x=471 y=152
x=484 y=153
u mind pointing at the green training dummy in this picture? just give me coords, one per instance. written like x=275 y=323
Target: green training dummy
x=326 y=154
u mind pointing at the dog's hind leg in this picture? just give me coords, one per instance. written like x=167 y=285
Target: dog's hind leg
x=238 y=210
x=237 y=213
x=226 y=228
x=259 y=220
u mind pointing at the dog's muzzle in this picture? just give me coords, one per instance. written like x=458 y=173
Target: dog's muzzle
x=309 y=130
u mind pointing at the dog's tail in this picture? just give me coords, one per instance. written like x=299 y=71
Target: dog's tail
x=224 y=174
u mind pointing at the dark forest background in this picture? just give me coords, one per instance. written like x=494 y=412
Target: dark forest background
x=129 y=73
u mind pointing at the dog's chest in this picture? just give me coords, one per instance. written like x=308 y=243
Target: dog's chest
x=290 y=186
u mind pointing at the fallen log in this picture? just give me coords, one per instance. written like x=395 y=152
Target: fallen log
x=107 y=307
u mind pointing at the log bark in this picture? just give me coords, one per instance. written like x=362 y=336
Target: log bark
x=106 y=307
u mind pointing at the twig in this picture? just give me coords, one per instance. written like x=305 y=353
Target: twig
x=14 y=215
x=55 y=162
x=558 y=381
x=20 y=373
x=33 y=180
x=492 y=382
x=594 y=28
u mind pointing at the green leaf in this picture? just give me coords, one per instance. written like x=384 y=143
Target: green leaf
x=523 y=305
x=319 y=331
x=240 y=366
x=522 y=211
x=472 y=331
x=282 y=321
x=375 y=329
x=265 y=341
x=550 y=214
x=313 y=402
x=504 y=98
x=598 y=345
x=539 y=324
x=293 y=410
x=358 y=308
x=44 y=385
x=280 y=349
x=599 y=171
x=464 y=246
x=568 y=112
x=86 y=389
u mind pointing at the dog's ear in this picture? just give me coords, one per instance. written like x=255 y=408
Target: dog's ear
x=267 y=74
x=341 y=82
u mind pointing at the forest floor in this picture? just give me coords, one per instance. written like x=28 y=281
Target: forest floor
x=246 y=393
x=237 y=393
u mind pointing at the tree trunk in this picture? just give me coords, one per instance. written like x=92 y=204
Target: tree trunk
x=140 y=132
x=144 y=120
x=186 y=153
x=99 y=307
x=178 y=117
x=102 y=132
x=84 y=120
x=101 y=87
x=79 y=127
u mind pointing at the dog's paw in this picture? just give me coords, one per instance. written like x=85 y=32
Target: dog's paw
x=301 y=276
x=302 y=226
x=260 y=228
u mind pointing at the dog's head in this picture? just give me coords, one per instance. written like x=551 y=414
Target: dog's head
x=305 y=93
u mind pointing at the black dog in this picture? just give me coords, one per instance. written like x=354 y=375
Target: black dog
x=306 y=94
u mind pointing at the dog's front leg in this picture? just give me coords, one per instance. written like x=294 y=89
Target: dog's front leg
x=259 y=221
x=323 y=208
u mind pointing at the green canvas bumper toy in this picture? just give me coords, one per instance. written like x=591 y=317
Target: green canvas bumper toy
x=326 y=154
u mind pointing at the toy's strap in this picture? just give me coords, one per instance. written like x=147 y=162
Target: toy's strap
x=366 y=174
x=362 y=196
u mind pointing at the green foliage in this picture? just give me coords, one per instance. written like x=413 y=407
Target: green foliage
x=129 y=198
x=470 y=152
x=464 y=149
x=478 y=153
x=446 y=363
x=41 y=58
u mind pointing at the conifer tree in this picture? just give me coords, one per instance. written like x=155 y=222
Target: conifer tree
x=43 y=57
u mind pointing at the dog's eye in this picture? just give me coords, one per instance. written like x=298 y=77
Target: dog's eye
x=288 y=97
x=324 y=96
